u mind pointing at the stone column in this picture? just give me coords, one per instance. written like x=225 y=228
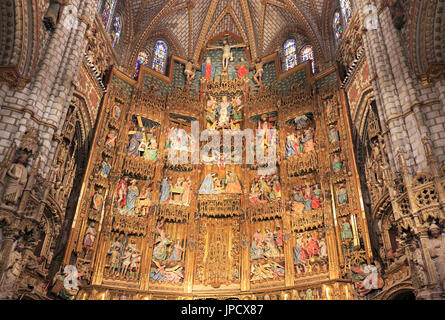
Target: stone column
x=406 y=87
x=384 y=83
x=62 y=89
x=42 y=103
x=438 y=128
x=419 y=111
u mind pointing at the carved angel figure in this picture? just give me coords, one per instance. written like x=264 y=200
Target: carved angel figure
x=190 y=72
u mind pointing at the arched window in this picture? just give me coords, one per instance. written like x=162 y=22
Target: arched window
x=307 y=53
x=290 y=54
x=346 y=10
x=107 y=12
x=336 y=25
x=142 y=60
x=116 y=30
x=160 y=57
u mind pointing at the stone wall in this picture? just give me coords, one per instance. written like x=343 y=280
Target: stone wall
x=411 y=118
x=43 y=102
x=33 y=111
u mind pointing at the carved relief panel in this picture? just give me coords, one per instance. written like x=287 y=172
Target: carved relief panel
x=218 y=248
x=167 y=262
x=181 y=227
x=267 y=262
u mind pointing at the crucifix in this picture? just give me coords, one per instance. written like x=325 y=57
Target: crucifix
x=227 y=52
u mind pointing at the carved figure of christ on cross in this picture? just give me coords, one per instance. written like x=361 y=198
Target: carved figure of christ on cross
x=227 y=52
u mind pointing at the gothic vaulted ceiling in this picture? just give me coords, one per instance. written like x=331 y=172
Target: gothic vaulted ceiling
x=190 y=24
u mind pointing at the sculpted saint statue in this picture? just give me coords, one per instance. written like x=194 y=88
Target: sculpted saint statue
x=436 y=248
x=211 y=114
x=16 y=179
x=242 y=68
x=165 y=191
x=98 y=200
x=342 y=195
x=419 y=269
x=90 y=236
x=208 y=69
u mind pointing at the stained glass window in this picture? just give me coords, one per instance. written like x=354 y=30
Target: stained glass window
x=116 y=30
x=290 y=54
x=336 y=25
x=307 y=53
x=142 y=60
x=346 y=10
x=107 y=12
x=160 y=57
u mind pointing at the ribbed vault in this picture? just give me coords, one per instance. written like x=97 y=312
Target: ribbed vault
x=261 y=24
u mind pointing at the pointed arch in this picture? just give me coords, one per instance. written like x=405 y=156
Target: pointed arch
x=19 y=42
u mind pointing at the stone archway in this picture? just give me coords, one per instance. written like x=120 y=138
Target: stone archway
x=19 y=45
x=403 y=294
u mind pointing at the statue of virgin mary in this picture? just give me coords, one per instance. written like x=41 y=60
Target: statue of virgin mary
x=207 y=186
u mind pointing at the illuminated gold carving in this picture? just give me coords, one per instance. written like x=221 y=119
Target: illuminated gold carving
x=185 y=228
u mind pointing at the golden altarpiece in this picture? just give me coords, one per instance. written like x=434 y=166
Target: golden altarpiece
x=149 y=228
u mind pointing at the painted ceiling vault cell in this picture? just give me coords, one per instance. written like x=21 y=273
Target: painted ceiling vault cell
x=178 y=27
x=262 y=24
x=198 y=16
